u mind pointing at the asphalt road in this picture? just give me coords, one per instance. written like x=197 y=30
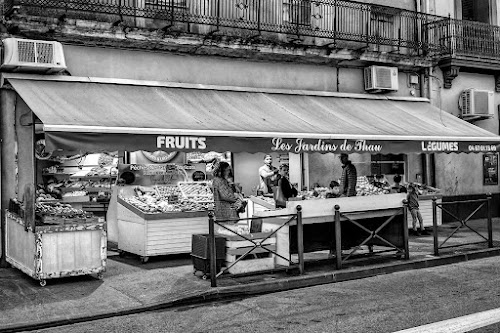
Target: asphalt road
x=385 y=303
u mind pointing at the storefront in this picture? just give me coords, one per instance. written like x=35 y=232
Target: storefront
x=77 y=115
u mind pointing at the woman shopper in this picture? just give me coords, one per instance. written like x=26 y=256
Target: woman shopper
x=225 y=202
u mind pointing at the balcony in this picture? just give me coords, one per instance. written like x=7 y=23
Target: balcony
x=331 y=25
x=464 y=45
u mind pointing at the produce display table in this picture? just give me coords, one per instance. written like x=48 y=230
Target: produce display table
x=55 y=251
x=319 y=228
x=159 y=233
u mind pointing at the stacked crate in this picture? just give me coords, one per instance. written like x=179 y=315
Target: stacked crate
x=257 y=260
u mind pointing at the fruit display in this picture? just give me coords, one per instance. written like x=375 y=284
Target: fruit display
x=165 y=191
x=59 y=209
x=196 y=191
x=98 y=172
x=43 y=194
x=317 y=193
x=154 y=201
x=364 y=187
x=75 y=194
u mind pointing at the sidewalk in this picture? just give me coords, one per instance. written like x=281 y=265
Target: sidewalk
x=167 y=281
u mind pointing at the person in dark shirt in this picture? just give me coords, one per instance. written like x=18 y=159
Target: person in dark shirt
x=349 y=177
x=284 y=186
x=397 y=187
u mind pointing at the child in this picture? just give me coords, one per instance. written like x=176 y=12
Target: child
x=413 y=206
x=334 y=190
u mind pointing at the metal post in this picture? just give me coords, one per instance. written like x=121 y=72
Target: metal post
x=338 y=239
x=490 y=226
x=258 y=15
x=218 y=14
x=405 y=229
x=213 y=252
x=434 y=226
x=171 y=12
x=300 y=239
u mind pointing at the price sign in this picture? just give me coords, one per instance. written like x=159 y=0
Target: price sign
x=174 y=198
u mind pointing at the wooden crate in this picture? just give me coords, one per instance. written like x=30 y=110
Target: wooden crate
x=257 y=260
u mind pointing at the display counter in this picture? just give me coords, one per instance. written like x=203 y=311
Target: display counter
x=157 y=233
x=57 y=250
x=375 y=212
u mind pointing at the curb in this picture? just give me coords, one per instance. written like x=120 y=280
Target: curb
x=257 y=288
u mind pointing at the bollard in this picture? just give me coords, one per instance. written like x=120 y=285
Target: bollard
x=338 y=239
x=300 y=239
x=490 y=226
x=434 y=226
x=405 y=229
x=213 y=252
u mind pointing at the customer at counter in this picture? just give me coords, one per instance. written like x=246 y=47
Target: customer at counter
x=333 y=190
x=225 y=201
x=284 y=190
x=349 y=177
x=397 y=187
x=268 y=176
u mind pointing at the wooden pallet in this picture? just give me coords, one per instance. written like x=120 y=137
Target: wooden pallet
x=257 y=260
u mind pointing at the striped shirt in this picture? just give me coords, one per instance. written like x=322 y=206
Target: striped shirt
x=348 y=180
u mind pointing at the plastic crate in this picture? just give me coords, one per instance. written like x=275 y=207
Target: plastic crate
x=200 y=249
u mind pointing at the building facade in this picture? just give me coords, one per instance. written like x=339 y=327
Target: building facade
x=440 y=49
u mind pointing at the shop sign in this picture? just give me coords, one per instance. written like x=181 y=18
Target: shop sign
x=81 y=142
x=323 y=146
x=181 y=142
x=151 y=174
x=438 y=146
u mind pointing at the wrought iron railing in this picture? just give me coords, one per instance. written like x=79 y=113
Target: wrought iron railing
x=464 y=38
x=332 y=20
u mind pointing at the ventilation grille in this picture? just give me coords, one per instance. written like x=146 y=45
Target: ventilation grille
x=383 y=77
x=40 y=53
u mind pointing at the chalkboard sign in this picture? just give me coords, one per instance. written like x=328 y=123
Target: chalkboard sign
x=490 y=169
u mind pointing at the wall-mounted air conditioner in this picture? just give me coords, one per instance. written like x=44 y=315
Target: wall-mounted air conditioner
x=35 y=56
x=381 y=78
x=474 y=102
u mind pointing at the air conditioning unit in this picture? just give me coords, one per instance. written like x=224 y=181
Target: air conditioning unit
x=35 y=56
x=475 y=102
x=381 y=78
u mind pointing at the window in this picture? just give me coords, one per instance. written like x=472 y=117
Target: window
x=476 y=10
x=383 y=22
x=389 y=164
x=297 y=12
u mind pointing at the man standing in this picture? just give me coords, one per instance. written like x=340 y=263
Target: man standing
x=349 y=177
